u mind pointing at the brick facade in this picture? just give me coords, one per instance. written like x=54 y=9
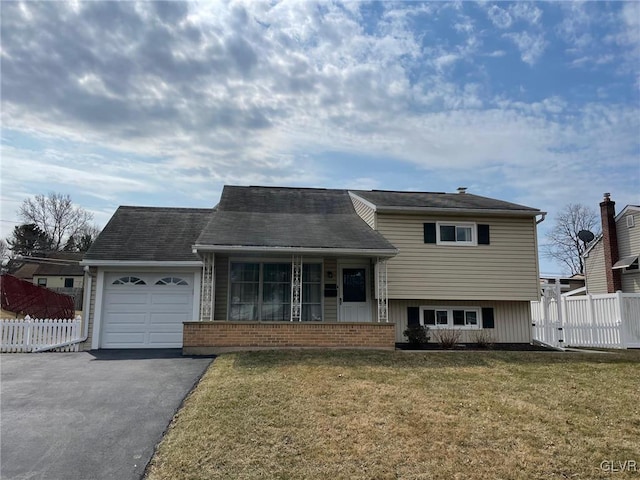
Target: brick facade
x=201 y=338
x=610 y=242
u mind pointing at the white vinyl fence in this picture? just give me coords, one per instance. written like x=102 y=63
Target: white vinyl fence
x=31 y=335
x=608 y=321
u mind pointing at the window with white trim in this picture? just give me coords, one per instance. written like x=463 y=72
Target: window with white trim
x=262 y=291
x=172 y=281
x=451 y=317
x=456 y=234
x=129 y=281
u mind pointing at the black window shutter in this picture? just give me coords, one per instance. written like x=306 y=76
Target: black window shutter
x=413 y=316
x=483 y=234
x=429 y=233
x=487 y=318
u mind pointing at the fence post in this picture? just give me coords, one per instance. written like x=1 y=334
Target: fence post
x=27 y=334
x=592 y=313
x=622 y=319
x=560 y=307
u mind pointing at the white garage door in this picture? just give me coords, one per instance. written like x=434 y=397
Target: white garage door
x=143 y=310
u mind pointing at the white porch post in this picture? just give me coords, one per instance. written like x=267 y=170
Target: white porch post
x=296 y=288
x=207 y=295
x=381 y=290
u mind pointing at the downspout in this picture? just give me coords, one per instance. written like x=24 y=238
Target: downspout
x=86 y=303
x=544 y=215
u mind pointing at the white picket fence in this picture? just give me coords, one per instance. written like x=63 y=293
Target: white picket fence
x=607 y=321
x=31 y=335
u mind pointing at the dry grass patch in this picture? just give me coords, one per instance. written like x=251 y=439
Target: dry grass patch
x=388 y=415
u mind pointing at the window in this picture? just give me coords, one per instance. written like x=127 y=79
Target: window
x=129 y=281
x=630 y=221
x=262 y=291
x=68 y=283
x=456 y=234
x=42 y=282
x=171 y=281
x=450 y=317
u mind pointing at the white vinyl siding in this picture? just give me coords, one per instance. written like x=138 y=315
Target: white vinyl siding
x=506 y=269
x=512 y=320
x=365 y=212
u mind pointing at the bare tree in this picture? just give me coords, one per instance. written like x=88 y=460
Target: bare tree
x=57 y=216
x=5 y=253
x=563 y=244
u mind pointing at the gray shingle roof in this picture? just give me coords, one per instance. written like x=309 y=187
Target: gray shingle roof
x=463 y=201
x=71 y=269
x=289 y=217
x=150 y=234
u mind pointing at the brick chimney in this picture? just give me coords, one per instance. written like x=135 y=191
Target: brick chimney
x=610 y=243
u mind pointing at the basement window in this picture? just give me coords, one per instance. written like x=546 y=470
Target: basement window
x=450 y=317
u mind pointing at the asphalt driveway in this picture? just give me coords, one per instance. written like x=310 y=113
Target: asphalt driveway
x=89 y=415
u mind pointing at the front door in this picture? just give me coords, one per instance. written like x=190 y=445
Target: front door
x=354 y=303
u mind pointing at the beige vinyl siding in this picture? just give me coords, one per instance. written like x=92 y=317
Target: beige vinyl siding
x=507 y=269
x=596 y=279
x=629 y=244
x=222 y=287
x=512 y=319
x=330 y=303
x=365 y=212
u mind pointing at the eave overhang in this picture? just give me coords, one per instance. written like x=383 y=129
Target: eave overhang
x=318 y=251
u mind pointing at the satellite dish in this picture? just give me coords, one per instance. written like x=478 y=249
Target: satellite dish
x=586 y=236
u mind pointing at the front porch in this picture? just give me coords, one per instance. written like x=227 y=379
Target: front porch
x=294 y=301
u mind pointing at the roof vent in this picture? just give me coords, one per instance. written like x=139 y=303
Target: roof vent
x=462 y=189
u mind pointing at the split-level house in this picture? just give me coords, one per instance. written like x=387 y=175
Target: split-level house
x=307 y=267
x=611 y=260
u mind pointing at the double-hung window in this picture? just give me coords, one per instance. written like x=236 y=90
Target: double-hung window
x=262 y=291
x=456 y=234
x=451 y=317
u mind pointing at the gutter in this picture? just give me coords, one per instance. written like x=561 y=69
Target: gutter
x=544 y=215
x=461 y=211
x=364 y=252
x=86 y=302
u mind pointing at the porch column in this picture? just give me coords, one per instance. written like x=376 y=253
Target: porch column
x=381 y=289
x=208 y=288
x=296 y=288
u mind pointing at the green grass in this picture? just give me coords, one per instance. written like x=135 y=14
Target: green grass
x=388 y=415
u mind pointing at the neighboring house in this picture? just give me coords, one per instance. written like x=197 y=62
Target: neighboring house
x=567 y=284
x=611 y=261
x=60 y=270
x=306 y=267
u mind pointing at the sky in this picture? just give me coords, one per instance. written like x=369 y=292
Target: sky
x=163 y=103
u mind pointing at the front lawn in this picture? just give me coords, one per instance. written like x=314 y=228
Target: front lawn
x=387 y=415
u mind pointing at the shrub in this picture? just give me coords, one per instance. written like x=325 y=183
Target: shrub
x=447 y=338
x=417 y=335
x=483 y=339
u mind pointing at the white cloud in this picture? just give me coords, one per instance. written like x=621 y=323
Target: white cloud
x=531 y=45
x=499 y=17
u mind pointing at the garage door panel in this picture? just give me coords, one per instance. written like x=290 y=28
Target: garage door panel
x=168 y=319
x=127 y=298
x=145 y=316
x=130 y=339
x=171 y=299
x=119 y=320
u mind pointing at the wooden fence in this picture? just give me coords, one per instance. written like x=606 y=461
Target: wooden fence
x=607 y=321
x=30 y=335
